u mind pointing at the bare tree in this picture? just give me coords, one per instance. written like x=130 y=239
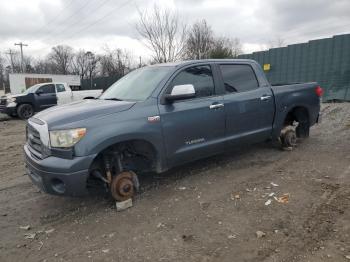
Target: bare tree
x=236 y=47
x=224 y=47
x=115 y=62
x=163 y=33
x=199 y=41
x=80 y=63
x=28 y=64
x=44 y=66
x=61 y=56
x=277 y=42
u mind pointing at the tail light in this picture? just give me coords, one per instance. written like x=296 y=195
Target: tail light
x=319 y=91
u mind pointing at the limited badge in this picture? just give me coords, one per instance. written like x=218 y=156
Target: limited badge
x=153 y=119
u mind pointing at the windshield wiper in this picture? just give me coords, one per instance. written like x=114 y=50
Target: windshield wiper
x=113 y=99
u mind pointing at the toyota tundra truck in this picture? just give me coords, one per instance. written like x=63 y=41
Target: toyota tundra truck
x=159 y=117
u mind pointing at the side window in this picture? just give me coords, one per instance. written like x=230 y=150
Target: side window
x=60 y=88
x=48 y=89
x=238 y=78
x=200 y=77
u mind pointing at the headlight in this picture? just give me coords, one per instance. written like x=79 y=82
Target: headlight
x=11 y=100
x=66 y=138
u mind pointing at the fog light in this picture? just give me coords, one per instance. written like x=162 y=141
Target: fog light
x=58 y=185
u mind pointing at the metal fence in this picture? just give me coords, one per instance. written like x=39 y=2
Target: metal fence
x=98 y=82
x=326 y=61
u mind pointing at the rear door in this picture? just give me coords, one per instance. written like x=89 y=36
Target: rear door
x=249 y=106
x=64 y=96
x=46 y=97
x=193 y=128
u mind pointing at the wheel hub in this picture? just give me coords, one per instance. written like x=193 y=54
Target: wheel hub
x=122 y=186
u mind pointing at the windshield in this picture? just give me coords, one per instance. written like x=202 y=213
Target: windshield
x=31 y=89
x=137 y=85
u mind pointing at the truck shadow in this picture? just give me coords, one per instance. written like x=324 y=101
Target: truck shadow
x=238 y=158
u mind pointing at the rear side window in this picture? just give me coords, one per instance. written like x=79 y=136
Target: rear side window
x=60 y=88
x=48 y=89
x=200 y=77
x=238 y=78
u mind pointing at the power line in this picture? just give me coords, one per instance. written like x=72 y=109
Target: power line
x=20 y=44
x=82 y=7
x=78 y=20
x=55 y=17
x=99 y=20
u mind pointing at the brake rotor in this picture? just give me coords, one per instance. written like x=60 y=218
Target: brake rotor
x=123 y=185
x=288 y=137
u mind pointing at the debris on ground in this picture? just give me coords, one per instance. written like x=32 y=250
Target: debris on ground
x=235 y=196
x=251 y=190
x=187 y=238
x=30 y=236
x=347 y=257
x=283 y=199
x=49 y=231
x=268 y=202
x=181 y=188
x=232 y=237
x=160 y=225
x=27 y=227
x=274 y=184
x=41 y=245
x=260 y=234
x=105 y=250
x=123 y=204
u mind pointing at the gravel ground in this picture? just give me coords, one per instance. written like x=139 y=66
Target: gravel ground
x=210 y=210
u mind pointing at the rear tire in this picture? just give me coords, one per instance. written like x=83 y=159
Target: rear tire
x=25 y=111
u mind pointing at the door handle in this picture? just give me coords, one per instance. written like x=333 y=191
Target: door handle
x=216 y=106
x=265 y=97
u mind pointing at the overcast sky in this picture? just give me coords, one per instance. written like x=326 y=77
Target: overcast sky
x=92 y=25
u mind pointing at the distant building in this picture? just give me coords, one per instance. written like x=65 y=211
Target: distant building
x=326 y=61
x=20 y=82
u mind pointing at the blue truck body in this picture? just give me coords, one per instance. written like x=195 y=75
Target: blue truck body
x=155 y=133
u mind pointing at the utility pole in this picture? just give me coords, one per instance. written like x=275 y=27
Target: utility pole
x=21 y=46
x=11 y=53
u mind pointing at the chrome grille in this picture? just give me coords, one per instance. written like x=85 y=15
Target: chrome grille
x=34 y=142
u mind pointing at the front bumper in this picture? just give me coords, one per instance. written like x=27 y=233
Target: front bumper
x=9 y=110
x=59 y=176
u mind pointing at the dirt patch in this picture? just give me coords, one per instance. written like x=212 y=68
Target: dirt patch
x=206 y=211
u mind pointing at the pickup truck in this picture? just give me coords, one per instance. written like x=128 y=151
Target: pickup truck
x=159 y=117
x=42 y=96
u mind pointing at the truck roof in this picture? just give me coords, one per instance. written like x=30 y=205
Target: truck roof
x=188 y=62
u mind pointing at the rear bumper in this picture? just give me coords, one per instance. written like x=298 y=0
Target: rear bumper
x=59 y=176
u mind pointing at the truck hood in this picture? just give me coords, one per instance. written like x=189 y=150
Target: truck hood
x=81 y=110
x=12 y=96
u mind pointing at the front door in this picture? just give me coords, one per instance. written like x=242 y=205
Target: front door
x=45 y=96
x=249 y=107
x=193 y=128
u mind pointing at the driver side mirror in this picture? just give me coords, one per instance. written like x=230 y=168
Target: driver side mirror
x=181 y=92
x=39 y=92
